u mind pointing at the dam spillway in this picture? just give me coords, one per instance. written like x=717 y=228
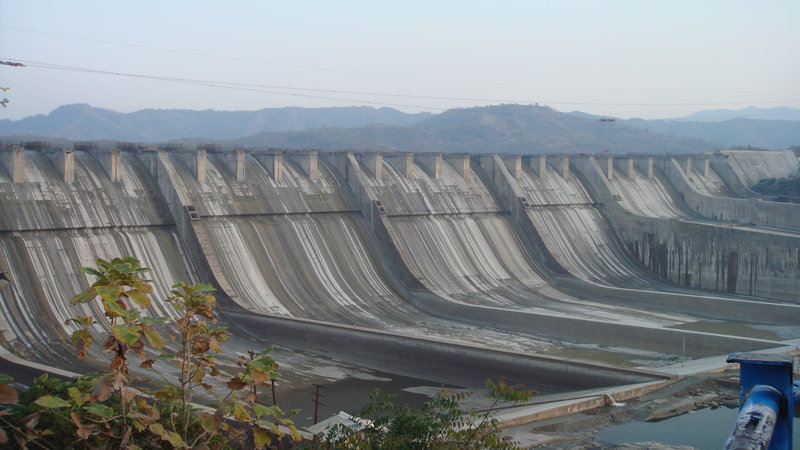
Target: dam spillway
x=489 y=258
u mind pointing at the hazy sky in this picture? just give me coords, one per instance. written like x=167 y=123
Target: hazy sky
x=624 y=58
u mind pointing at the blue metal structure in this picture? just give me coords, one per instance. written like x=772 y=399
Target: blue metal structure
x=766 y=399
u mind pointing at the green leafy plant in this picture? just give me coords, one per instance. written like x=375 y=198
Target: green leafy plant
x=441 y=423
x=107 y=412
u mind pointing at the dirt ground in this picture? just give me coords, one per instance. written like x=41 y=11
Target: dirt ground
x=579 y=431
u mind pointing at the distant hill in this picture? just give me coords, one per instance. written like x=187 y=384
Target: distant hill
x=769 y=134
x=751 y=112
x=84 y=122
x=500 y=129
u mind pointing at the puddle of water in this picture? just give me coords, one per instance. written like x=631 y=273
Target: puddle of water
x=702 y=429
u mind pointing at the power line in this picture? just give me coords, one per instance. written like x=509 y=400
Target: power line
x=278 y=90
x=217 y=84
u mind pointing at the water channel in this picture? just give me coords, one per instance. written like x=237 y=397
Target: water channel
x=703 y=429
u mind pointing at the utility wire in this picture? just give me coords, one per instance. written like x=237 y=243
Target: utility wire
x=279 y=90
x=218 y=84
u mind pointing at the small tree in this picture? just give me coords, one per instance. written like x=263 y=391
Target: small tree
x=440 y=424
x=110 y=413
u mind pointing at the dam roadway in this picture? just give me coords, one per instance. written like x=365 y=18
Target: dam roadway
x=420 y=265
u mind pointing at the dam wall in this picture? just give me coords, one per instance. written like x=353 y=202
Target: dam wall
x=52 y=224
x=749 y=211
x=701 y=254
x=570 y=233
x=753 y=166
x=721 y=166
x=429 y=256
x=496 y=306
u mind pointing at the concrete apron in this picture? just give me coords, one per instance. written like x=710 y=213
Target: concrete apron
x=560 y=405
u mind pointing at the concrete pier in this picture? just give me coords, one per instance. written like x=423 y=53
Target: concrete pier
x=688 y=168
x=18 y=165
x=514 y=166
x=277 y=166
x=374 y=163
x=309 y=164
x=706 y=167
x=628 y=168
x=236 y=161
x=539 y=165
x=565 y=167
x=115 y=165
x=274 y=163
x=610 y=168
x=239 y=164
x=408 y=167
x=460 y=161
x=200 y=165
x=68 y=165
x=432 y=163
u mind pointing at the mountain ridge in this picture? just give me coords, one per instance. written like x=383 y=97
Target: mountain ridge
x=751 y=112
x=498 y=128
x=489 y=129
x=85 y=122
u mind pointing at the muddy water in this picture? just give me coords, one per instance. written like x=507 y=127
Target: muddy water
x=702 y=429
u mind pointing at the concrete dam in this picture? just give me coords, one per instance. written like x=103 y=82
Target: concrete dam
x=560 y=272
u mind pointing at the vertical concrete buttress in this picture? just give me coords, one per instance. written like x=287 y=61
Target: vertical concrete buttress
x=309 y=164
x=688 y=166
x=540 y=167
x=565 y=167
x=241 y=157
x=277 y=166
x=706 y=167
x=629 y=167
x=375 y=164
x=313 y=170
x=200 y=164
x=610 y=168
x=409 y=166
x=460 y=162
x=115 y=169
x=649 y=167
x=18 y=165
x=69 y=165
x=516 y=167
x=431 y=163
